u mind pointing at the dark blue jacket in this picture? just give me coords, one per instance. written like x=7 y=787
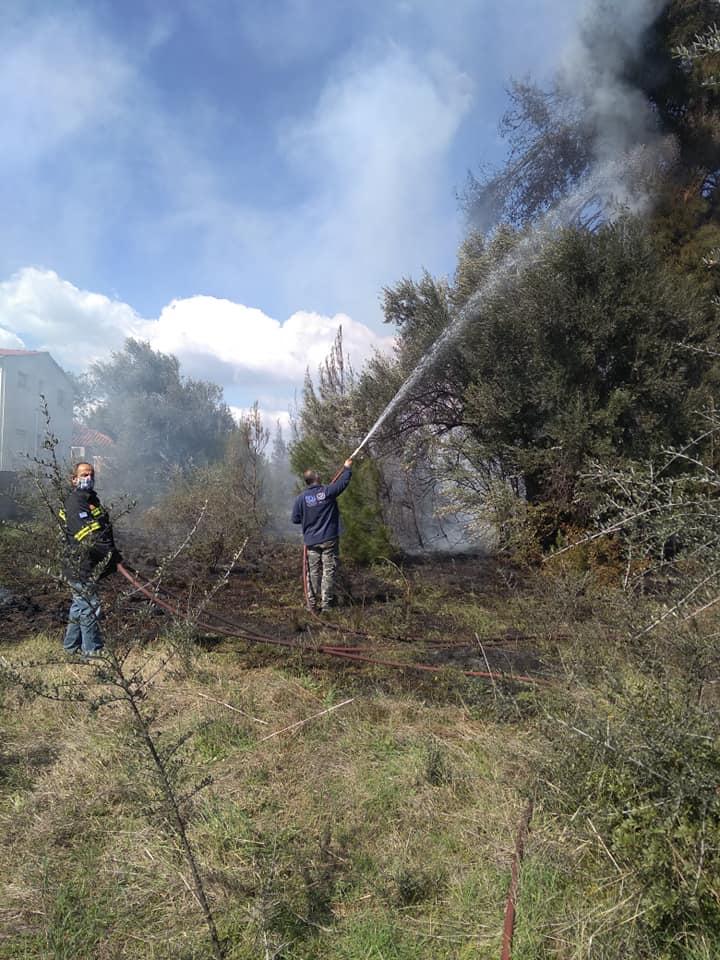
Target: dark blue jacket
x=317 y=510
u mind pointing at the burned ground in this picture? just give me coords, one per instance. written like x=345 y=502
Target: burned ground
x=424 y=610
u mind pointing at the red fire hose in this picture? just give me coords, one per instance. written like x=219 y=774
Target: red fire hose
x=333 y=651
x=511 y=903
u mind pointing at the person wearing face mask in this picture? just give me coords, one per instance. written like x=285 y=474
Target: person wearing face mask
x=90 y=554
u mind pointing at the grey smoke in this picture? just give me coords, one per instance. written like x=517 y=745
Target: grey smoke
x=595 y=71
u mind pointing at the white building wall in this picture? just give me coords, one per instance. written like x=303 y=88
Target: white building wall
x=23 y=378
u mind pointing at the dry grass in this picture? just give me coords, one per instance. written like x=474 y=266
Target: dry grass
x=383 y=827
x=386 y=824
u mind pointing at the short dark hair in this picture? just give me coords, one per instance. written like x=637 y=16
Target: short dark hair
x=310 y=477
x=81 y=463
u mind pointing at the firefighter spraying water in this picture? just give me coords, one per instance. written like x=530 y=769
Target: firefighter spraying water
x=316 y=510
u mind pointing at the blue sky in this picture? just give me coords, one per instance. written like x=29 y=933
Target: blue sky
x=231 y=180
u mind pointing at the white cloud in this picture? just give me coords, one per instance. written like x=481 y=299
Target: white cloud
x=247 y=341
x=219 y=340
x=374 y=198
x=10 y=341
x=76 y=326
x=382 y=118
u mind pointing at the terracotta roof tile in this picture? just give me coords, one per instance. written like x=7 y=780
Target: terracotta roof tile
x=20 y=353
x=87 y=437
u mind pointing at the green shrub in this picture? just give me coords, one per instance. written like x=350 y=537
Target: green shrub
x=642 y=776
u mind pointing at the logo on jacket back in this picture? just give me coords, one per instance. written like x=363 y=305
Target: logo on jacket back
x=320 y=494
x=310 y=499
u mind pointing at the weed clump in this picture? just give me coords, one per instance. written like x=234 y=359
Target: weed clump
x=414 y=884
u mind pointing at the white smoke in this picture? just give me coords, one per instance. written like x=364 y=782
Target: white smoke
x=595 y=70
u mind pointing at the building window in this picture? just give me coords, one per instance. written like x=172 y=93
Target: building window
x=77 y=454
x=22 y=380
x=60 y=398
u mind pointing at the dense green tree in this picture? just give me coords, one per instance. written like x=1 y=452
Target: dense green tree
x=595 y=349
x=163 y=424
x=586 y=354
x=326 y=435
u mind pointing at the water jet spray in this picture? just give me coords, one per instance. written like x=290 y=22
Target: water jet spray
x=616 y=186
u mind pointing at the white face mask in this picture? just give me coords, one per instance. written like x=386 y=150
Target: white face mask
x=85 y=483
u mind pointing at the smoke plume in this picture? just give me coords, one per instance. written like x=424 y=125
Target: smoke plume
x=598 y=71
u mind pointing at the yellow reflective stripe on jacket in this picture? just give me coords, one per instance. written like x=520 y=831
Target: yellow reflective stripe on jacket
x=87 y=530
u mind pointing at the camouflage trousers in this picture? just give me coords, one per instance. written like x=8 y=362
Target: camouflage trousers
x=322 y=563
